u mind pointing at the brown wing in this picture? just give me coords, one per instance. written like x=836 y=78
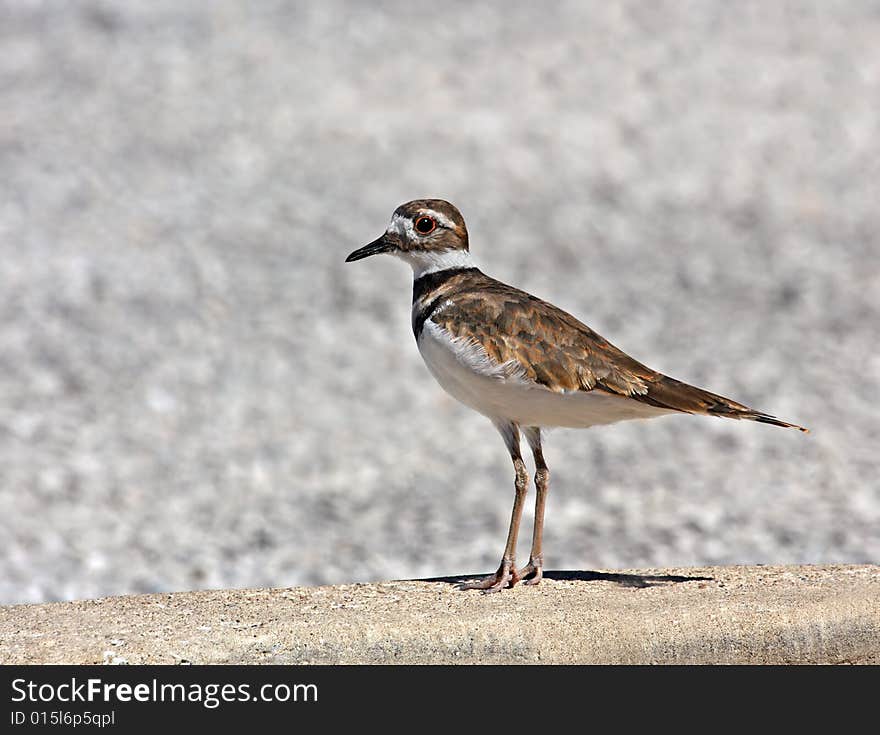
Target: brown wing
x=561 y=353
x=552 y=347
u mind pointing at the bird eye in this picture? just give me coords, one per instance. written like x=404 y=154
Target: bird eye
x=425 y=225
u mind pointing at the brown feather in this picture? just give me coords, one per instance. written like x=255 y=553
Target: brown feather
x=556 y=350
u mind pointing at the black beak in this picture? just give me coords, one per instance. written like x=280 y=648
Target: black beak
x=383 y=245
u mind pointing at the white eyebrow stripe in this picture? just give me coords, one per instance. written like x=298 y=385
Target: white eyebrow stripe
x=441 y=218
x=404 y=225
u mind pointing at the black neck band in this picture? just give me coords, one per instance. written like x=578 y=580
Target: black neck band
x=428 y=282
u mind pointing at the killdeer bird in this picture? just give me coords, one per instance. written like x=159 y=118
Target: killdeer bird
x=522 y=362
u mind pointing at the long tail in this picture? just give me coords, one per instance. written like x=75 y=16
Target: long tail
x=766 y=418
x=666 y=392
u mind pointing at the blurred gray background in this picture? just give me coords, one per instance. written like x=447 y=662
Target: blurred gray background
x=196 y=391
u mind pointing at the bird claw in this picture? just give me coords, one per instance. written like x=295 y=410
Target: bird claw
x=508 y=575
x=532 y=573
x=505 y=577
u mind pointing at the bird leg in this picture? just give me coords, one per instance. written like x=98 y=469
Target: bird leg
x=532 y=572
x=507 y=576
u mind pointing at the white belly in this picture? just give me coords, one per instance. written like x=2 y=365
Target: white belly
x=502 y=391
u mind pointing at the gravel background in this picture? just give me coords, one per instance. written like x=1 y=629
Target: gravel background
x=196 y=391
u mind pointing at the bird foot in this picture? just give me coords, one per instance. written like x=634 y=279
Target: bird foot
x=533 y=572
x=506 y=576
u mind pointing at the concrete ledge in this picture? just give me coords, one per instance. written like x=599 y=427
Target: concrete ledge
x=751 y=615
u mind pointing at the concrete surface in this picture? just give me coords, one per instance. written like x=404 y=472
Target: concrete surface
x=196 y=391
x=750 y=615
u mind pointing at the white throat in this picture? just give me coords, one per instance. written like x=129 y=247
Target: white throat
x=428 y=261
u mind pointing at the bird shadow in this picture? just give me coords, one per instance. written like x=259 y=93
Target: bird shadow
x=636 y=581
